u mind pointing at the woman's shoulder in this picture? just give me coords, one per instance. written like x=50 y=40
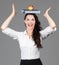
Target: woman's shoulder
x=21 y=32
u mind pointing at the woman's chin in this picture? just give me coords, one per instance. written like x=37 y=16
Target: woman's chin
x=31 y=28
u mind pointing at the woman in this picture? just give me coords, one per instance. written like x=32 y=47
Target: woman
x=30 y=39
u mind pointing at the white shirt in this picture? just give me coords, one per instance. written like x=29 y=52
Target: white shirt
x=28 y=50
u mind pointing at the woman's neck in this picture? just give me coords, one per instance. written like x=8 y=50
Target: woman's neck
x=29 y=32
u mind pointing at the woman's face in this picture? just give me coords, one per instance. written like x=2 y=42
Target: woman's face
x=30 y=22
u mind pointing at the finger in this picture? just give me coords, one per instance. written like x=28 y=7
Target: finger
x=12 y=5
x=48 y=8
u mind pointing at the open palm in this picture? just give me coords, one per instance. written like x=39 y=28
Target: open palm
x=46 y=13
x=13 y=9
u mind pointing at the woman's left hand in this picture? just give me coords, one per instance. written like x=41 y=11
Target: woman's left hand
x=46 y=13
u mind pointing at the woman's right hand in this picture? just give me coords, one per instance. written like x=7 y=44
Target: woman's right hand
x=13 y=9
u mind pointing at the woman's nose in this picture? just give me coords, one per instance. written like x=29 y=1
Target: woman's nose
x=30 y=20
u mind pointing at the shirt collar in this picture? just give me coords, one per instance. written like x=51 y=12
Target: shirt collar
x=25 y=32
x=31 y=37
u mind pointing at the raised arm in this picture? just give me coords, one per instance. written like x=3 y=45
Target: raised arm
x=51 y=28
x=50 y=20
x=8 y=20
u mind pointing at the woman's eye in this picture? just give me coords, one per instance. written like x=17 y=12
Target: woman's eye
x=32 y=19
x=27 y=19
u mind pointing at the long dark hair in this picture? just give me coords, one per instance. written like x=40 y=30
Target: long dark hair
x=36 y=34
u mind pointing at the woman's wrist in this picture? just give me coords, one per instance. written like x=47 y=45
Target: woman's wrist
x=13 y=14
x=46 y=16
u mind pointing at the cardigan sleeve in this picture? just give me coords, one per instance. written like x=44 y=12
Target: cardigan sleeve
x=47 y=32
x=10 y=32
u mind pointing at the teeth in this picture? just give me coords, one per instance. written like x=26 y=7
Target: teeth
x=30 y=25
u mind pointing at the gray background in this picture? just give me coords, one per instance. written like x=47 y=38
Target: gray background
x=9 y=48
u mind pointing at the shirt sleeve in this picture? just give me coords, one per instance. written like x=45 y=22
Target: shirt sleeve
x=47 y=31
x=10 y=32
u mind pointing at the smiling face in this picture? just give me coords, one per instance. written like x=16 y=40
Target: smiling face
x=29 y=21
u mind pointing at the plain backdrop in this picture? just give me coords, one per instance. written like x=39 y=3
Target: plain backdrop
x=10 y=49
